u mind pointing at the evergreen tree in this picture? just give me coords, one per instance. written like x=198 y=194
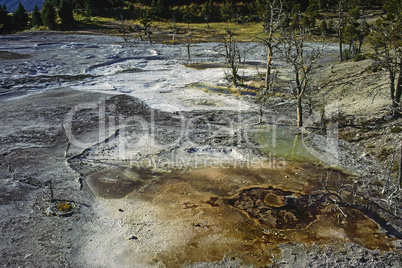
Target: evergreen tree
x=187 y=17
x=229 y=11
x=161 y=9
x=20 y=17
x=66 y=13
x=89 y=6
x=386 y=40
x=36 y=17
x=324 y=27
x=49 y=15
x=342 y=8
x=311 y=14
x=78 y=5
x=207 y=11
x=351 y=30
x=153 y=11
x=97 y=7
x=6 y=21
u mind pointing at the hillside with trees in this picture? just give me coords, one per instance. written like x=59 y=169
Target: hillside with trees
x=320 y=14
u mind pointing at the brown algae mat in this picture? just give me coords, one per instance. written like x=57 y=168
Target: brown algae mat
x=245 y=212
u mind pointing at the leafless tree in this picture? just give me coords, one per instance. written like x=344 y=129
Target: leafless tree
x=272 y=21
x=146 y=27
x=302 y=56
x=175 y=29
x=188 y=47
x=234 y=57
x=272 y=15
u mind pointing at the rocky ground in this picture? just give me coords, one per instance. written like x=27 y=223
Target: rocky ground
x=119 y=184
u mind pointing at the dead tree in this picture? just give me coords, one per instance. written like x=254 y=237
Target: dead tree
x=272 y=18
x=175 y=29
x=234 y=58
x=400 y=169
x=125 y=30
x=188 y=47
x=302 y=57
x=272 y=15
x=146 y=27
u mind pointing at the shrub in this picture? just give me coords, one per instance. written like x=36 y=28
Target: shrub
x=65 y=207
x=384 y=153
x=359 y=57
x=396 y=129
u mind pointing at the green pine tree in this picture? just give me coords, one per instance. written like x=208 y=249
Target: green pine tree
x=207 y=11
x=49 y=15
x=228 y=10
x=386 y=40
x=66 y=13
x=36 y=20
x=20 y=17
x=90 y=9
x=6 y=21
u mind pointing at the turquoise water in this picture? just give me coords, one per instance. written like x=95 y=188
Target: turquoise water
x=278 y=141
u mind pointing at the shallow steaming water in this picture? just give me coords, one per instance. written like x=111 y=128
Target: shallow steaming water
x=104 y=64
x=158 y=74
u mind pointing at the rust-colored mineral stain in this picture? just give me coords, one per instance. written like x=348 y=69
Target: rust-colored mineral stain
x=246 y=213
x=362 y=231
x=291 y=212
x=274 y=200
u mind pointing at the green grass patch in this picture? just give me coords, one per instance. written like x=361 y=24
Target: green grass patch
x=396 y=129
x=200 y=32
x=384 y=153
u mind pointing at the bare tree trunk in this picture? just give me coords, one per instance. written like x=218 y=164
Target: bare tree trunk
x=392 y=91
x=261 y=112
x=188 y=50
x=340 y=21
x=125 y=37
x=400 y=170
x=268 y=74
x=340 y=44
x=234 y=81
x=299 y=100
x=392 y=86
x=398 y=93
x=299 y=111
